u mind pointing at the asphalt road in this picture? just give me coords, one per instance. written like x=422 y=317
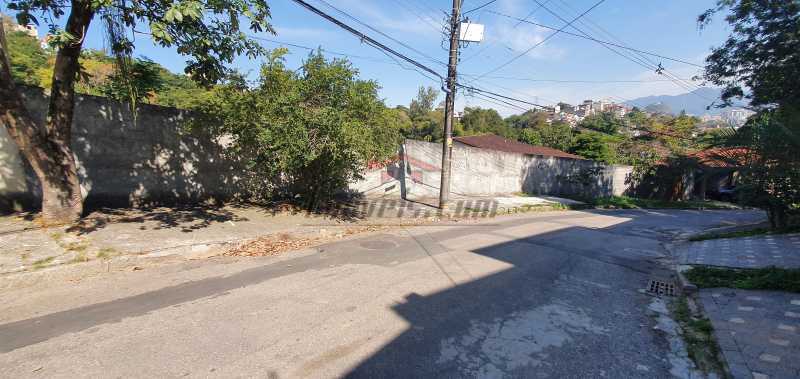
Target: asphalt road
x=541 y=295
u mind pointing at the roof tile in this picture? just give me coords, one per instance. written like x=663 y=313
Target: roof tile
x=494 y=142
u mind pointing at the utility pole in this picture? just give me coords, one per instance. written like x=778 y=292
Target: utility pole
x=449 y=104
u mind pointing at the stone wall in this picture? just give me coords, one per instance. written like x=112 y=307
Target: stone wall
x=151 y=161
x=483 y=172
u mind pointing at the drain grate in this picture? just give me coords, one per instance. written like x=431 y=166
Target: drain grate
x=661 y=288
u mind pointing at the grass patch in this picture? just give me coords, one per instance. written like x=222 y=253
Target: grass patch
x=625 y=202
x=698 y=334
x=80 y=257
x=107 y=253
x=41 y=263
x=770 y=278
x=744 y=233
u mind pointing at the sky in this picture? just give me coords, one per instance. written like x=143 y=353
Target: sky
x=563 y=68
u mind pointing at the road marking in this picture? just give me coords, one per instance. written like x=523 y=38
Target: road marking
x=737 y=320
x=787 y=328
x=792 y=314
x=779 y=342
x=746 y=309
x=795 y=302
x=770 y=358
x=753 y=298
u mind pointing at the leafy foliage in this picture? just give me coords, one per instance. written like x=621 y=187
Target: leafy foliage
x=760 y=61
x=770 y=278
x=762 y=53
x=772 y=175
x=478 y=120
x=26 y=57
x=304 y=134
x=144 y=77
x=149 y=81
x=208 y=33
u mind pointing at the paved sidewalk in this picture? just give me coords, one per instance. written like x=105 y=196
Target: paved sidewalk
x=758 y=331
x=746 y=252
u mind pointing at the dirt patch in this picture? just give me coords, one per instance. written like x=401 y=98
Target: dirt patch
x=284 y=242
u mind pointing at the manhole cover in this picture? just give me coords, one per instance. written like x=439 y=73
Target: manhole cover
x=661 y=288
x=377 y=245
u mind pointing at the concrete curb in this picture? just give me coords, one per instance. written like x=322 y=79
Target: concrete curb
x=684 y=285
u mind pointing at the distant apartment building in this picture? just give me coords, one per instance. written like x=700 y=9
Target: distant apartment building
x=736 y=116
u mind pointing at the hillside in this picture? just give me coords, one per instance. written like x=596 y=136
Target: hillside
x=694 y=102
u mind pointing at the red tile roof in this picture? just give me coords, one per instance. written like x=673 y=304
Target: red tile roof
x=493 y=142
x=722 y=157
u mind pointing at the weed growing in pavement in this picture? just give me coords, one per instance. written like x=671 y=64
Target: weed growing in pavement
x=41 y=263
x=744 y=233
x=698 y=334
x=769 y=278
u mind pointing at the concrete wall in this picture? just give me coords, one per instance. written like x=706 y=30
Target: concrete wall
x=482 y=172
x=122 y=162
x=154 y=162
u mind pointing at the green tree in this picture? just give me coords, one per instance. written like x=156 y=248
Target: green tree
x=145 y=80
x=605 y=122
x=557 y=135
x=304 y=135
x=27 y=56
x=209 y=33
x=760 y=61
x=762 y=53
x=423 y=103
x=478 y=120
x=596 y=146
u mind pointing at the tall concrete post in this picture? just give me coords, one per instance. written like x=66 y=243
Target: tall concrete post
x=449 y=104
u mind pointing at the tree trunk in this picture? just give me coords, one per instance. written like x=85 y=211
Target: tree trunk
x=48 y=149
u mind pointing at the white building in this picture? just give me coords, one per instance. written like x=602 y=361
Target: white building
x=736 y=116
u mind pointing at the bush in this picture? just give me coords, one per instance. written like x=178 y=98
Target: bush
x=305 y=134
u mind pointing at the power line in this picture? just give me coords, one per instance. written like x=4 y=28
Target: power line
x=542 y=41
x=409 y=8
x=367 y=38
x=595 y=39
x=373 y=59
x=530 y=14
x=578 y=80
x=485 y=92
x=638 y=60
x=401 y=43
x=480 y=6
x=498 y=102
x=661 y=70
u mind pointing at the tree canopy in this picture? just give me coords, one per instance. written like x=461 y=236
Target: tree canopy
x=304 y=133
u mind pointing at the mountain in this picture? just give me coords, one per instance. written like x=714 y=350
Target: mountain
x=694 y=102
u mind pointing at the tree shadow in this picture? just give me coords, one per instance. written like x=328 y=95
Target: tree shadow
x=188 y=219
x=515 y=322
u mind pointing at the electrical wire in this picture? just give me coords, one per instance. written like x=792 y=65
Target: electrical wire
x=480 y=6
x=594 y=39
x=428 y=21
x=376 y=30
x=542 y=41
x=367 y=38
x=637 y=60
